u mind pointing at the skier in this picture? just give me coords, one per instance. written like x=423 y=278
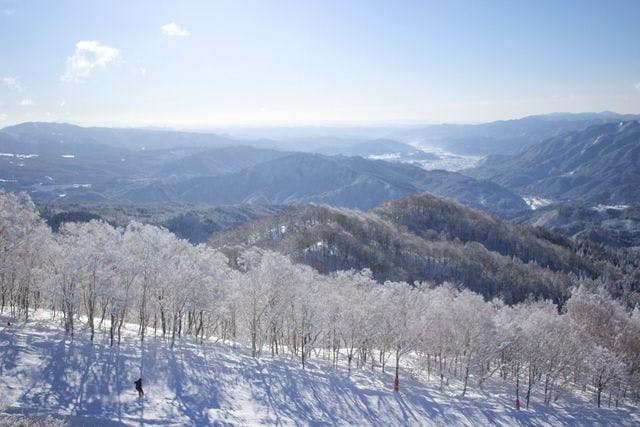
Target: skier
x=138 y=384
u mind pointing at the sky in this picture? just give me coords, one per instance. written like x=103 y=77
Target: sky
x=201 y=64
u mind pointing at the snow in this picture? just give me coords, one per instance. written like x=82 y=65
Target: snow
x=602 y=208
x=445 y=160
x=536 y=202
x=44 y=373
x=19 y=156
x=387 y=156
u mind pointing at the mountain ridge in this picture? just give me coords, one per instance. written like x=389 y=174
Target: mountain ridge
x=418 y=239
x=301 y=178
x=597 y=165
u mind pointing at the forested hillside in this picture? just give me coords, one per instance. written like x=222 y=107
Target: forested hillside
x=429 y=238
x=350 y=182
x=191 y=222
x=607 y=225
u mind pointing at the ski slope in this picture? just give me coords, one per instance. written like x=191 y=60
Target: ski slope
x=42 y=373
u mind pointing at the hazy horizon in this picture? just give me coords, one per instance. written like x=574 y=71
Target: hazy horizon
x=211 y=65
x=301 y=126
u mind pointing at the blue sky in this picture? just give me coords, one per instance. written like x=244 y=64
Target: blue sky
x=213 y=63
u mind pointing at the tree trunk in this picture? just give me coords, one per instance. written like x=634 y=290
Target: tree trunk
x=518 y=386
x=546 y=390
x=120 y=323
x=396 y=380
x=528 y=390
x=112 y=328
x=466 y=378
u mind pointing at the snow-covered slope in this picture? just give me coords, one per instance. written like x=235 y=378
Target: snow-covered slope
x=599 y=165
x=42 y=373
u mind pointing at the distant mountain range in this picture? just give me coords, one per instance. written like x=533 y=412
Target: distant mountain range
x=505 y=136
x=586 y=162
x=129 y=138
x=597 y=165
x=216 y=161
x=54 y=162
x=355 y=182
x=499 y=137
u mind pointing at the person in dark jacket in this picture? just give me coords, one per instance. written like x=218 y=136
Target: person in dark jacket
x=138 y=384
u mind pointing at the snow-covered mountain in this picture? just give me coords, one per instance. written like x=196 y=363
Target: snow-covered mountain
x=597 y=165
x=504 y=136
x=55 y=161
x=354 y=182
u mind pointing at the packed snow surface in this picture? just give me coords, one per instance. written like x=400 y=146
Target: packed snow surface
x=42 y=373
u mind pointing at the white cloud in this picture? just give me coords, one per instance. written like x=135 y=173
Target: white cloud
x=173 y=29
x=9 y=11
x=26 y=102
x=63 y=103
x=13 y=83
x=88 y=55
x=637 y=86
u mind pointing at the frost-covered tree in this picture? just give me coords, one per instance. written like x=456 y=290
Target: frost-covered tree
x=92 y=250
x=24 y=242
x=403 y=321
